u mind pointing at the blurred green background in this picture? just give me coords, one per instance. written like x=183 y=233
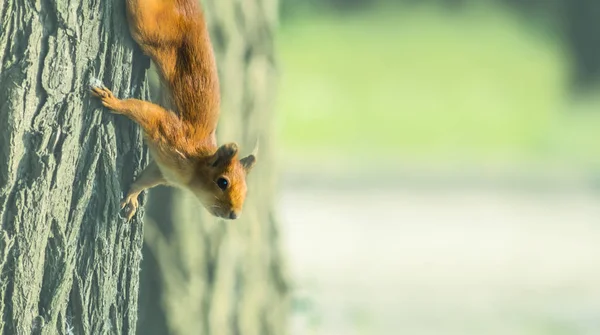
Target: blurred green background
x=388 y=111
x=434 y=81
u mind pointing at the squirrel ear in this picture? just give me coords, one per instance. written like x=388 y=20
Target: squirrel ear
x=248 y=162
x=225 y=153
x=228 y=150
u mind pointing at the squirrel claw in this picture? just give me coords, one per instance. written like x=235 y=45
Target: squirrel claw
x=128 y=208
x=100 y=91
x=106 y=96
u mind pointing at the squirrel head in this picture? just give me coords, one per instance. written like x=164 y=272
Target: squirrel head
x=222 y=181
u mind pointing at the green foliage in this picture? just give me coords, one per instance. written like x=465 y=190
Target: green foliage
x=422 y=82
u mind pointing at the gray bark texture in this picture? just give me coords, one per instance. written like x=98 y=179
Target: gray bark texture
x=201 y=275
x=68 y=263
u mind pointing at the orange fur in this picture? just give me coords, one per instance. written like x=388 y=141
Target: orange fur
x=182 y=142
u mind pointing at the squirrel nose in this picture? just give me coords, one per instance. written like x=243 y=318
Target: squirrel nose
x=233 y=215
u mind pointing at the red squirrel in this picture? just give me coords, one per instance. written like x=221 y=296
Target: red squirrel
x=182 y=141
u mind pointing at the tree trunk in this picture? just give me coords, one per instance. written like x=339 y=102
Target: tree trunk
x=582 y=24
x=68 y=262
x=206 y=276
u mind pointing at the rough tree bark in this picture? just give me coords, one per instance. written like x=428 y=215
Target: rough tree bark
x=206 y=276
x=68 y=262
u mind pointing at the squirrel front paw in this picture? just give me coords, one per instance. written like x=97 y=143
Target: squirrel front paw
x=106 y=96
x=129 y=206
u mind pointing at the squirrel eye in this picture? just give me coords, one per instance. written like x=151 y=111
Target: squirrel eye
x=222 y=183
